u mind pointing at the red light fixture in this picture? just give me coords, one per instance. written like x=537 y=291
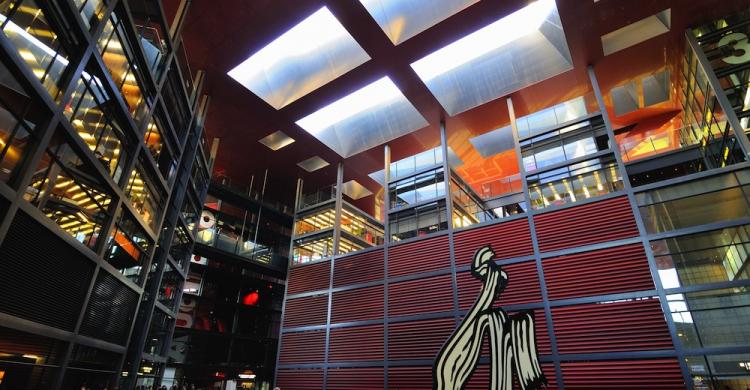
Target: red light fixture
x=251 y=299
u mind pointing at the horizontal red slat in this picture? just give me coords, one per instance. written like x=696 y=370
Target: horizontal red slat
x=625 y=374
x=608 y=220
x=358 y=305
x=306 y=311
x=428 y=295
x=304 y=379
x=420 y=256
x=359 y=268
x=523 y=286
x=302 y=347
x=480 y=379
x=359 y=343
x=311 y=277
x=607 y=271
x=410 y=378
x=619 y=326
x=508 y=240
x=356 y=378
x=418 y=339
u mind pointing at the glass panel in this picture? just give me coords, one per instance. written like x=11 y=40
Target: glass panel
x=66 y=190
x=171 y=283
x=711 y=257
x=420 y=188
x=720 y=372
x=419 y=221
x=318 y=220
x=573 y=183
x=361 y=226
x=118 y=58
x=144 y=198
x=18 y=120
x=181 y=246
x=27 y=27
x=715 y=318
x=92 y=11
x=128 y=248
x=93 y=116
x=312 y=250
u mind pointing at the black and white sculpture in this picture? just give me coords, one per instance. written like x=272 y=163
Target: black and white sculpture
x=512 y=338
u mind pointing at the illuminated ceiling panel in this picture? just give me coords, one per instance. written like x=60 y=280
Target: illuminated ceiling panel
x=401 y=20
x=309 y=55
x=277 y=140
x=512 y=53
x=368 y=117
x=354 y=190
x=312 y=164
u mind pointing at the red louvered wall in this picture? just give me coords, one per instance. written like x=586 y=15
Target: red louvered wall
x=303 y=347
x=659 y=374
x=410 y=378
x=358 y=305
x=418 y=339
x=306 y=311
x=619 y=326
x=481 y=378
x=305 y=379
x=359 y=343
x=508 y=240
x=311 y=277
x=411 y=297
x=417 y=257
x=356 y=378
x=523 y=286
x=359 y=268
x=607 y=271
x=607 y=220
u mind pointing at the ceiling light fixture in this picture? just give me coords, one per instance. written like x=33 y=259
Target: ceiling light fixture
x=483 y=41
x=309 y=55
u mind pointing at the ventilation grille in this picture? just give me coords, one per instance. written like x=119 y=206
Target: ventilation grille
x=508 y=240
x=366 y=267
x=628 y=374
x=619 y=326
x=417 y=257
x=43 y=283
x=300 y=379
x=418 y=339
x=608 y=220
x=358 y=304
x=523 y=286
x=370 y=378
x=412 y=297
x=303 y=347
x=312 y=277
x=306 y=311
x=607 y=271
x=110 y=311
x=360 y=343
x=411 y=378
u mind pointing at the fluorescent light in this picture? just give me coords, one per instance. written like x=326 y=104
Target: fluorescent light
x=380 y=92
x=309 y=55
x=481 y=42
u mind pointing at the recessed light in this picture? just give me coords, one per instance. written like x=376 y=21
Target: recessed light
x=277 y=140
x=312 y=164
x=309 y=55
x=370 y=116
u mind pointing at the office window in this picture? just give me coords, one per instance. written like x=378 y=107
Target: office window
x=95 y=119
x=66 y=189
x=181 y=246
x=420 y=188
x=574 y=141
x=91 y=11
x=715 y=199
x=128 y=247
x=117 y=54
x=719 y=371
x=714 y=318
x=144 y=197
x=307 y=250
x=575 y=182
x=710 y=257
x=19 y=116
x=28 y=27
x=418 y=221
x=157 y=146
x=317 y=220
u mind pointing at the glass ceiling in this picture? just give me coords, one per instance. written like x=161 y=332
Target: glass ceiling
x=401 y=20
x=309 y=55
x=514 y=52
x=368 y=117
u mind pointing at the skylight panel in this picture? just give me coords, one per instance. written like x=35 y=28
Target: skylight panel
x=401 y=20
x=312 y=164
x=306 y=57
x=637 y=32
x=514 y=52
x=276 y=140
x=370 y=116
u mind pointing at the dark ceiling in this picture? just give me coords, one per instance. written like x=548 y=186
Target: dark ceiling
x=220 y=35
